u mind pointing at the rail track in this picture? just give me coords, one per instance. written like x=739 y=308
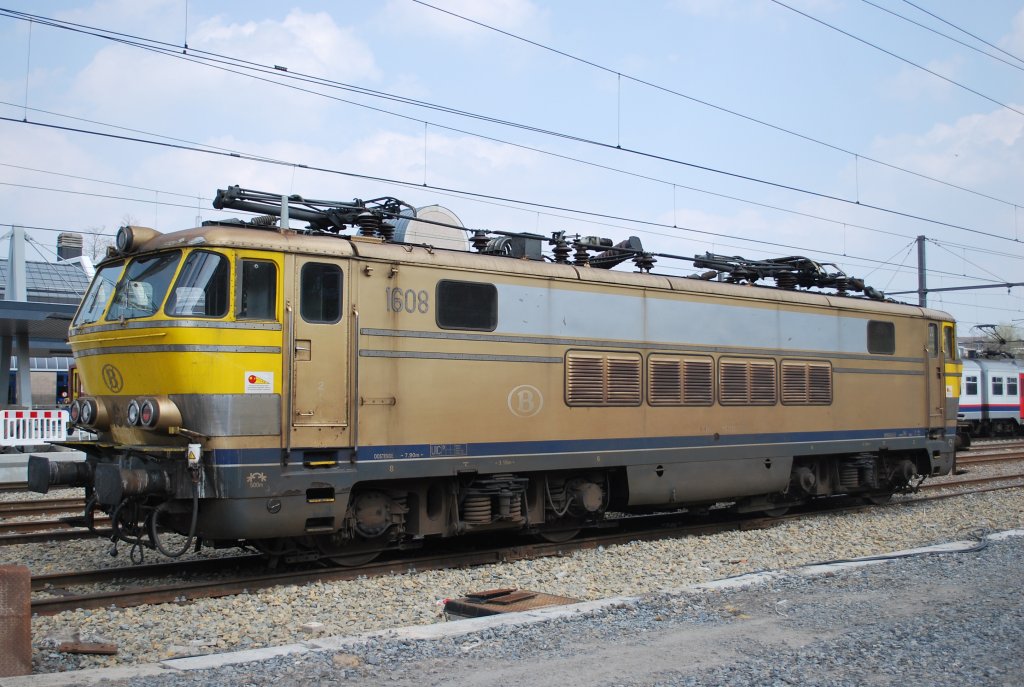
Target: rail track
x=177 y=582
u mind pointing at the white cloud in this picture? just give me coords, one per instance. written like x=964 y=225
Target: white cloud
x=976 y=150
x=1014 y=42
x=123 y=84
x=912 y=85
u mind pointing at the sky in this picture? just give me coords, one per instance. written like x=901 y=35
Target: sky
x=839 y=130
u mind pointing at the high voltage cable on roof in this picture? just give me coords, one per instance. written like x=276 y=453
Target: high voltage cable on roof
x=900 y=58
x=277 y=73
x=711 y=105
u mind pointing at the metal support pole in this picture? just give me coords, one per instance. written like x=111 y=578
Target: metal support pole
x=922 y=284
x=6 y=349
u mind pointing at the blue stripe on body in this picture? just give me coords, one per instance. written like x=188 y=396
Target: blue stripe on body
x=526 y=448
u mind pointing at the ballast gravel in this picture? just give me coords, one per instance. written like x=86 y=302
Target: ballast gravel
x=934 y=629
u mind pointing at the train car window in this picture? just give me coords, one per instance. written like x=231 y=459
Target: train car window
x=603 y=378
x=933 y=339
x=881 y=337
x=1011 y=386
x=467 y=305
x=747 y=382
x=674 y=380
x=971 y=385
x=806 y=383
x=320 y=296
x=997 y=386
x=257 y=290
x=202 y=287
x=95 y=301
x=948 y=343
x=142 y=287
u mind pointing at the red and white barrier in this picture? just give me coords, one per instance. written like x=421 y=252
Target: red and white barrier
x=29 y=427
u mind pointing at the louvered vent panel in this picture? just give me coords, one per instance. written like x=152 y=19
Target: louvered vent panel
x=585 y=380
x=794 y=383
x=603 y=379
x=664 y=378
x=624 y=380
x=820 y=384
x=806 y=383
x=698 y=382
x=734 y=385
x=762 y=383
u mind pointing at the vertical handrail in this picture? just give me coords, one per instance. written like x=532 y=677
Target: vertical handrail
x=289 y=318
x=354 y=353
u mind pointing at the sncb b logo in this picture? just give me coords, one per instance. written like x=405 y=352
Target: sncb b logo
x=112 y=378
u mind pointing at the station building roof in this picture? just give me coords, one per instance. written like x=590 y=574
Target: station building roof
x=54 y=291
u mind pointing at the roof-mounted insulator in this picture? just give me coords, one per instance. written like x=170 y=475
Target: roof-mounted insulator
x=480 y=241
x=644 y=262
x=560 y=248
x=582 y=258
x=368 y=223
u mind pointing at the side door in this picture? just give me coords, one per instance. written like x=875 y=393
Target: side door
x=320 y=355
x=936 y=382
x=953 y=369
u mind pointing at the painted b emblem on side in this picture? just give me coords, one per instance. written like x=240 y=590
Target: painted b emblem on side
x=525 y=400
x=112 y=378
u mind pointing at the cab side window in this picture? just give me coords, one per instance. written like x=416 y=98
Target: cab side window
x=933 y=340
x=257 y=290
x=320 y=293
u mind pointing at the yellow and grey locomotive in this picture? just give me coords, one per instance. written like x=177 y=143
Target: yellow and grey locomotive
x=348 y=387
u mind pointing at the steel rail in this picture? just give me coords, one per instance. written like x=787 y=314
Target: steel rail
x=179 y=593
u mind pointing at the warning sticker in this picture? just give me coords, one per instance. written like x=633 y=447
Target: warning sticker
x=259 y=382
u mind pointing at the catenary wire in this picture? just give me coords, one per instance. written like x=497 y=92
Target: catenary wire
x=562 y=135
x=711 y=105
x=963 y=30
x=900 y=58
x=944 y=35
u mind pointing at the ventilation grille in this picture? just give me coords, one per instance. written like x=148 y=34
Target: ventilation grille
x=676 y=381
x=806 y=383
x=747 y=382
x=603 y=379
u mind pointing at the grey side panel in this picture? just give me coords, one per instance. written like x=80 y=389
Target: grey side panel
x=225 y=415
x=703 y=481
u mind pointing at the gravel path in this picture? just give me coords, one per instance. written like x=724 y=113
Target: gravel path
x=291 y=614
x=875 y=625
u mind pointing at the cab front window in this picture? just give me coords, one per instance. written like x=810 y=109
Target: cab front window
x=95 y=301
x=202 y=287
x=142 y=288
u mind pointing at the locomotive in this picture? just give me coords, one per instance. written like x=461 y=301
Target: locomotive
x=369 y=382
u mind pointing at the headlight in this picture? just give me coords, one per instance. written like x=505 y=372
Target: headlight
x=148 y=413
x=87 y=413
x=130 y=238
x=91 y=412
x=133 y=413
x=159 y=412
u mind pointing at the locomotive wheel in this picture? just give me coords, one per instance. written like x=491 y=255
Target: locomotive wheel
x=352 y=554
x=776 y=512
x=879 y=498
x=561 y=530
x=558 y=536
